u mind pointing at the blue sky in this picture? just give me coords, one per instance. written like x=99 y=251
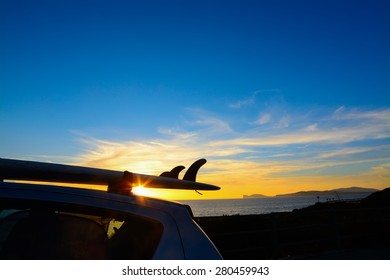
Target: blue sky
x=290 y=95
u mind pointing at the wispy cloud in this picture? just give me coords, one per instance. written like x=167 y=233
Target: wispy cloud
x=371 y=115
x=263 y=119
x=347 y=152
x=250 y=100
x=283 y=122
x=203 y=121
x=255 y=155
x=172 y=146
x=244 y=102
x=334 y=131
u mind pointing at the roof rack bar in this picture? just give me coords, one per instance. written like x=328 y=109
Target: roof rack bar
x=123 y=186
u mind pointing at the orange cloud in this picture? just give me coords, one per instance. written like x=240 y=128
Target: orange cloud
x=269 y=161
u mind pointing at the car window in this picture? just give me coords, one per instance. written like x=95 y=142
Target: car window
x=44 y=231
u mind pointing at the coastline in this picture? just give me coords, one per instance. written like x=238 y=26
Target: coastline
x=326 y=230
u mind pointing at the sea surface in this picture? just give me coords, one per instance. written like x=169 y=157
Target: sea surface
x=250 y=206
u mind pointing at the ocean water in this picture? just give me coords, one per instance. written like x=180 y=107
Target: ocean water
x=221 y=207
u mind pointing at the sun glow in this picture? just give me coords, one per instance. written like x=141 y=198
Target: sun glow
x=142 y=191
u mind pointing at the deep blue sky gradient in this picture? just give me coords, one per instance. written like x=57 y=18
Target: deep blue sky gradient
x=127 y=70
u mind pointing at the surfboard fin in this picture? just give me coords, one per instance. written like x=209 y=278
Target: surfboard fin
x=174 y=173
x=193 y=170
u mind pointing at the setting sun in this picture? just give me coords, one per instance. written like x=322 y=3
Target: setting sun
x=149 y=192
x=141 y=191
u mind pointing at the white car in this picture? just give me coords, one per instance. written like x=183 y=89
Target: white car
x=51 y=222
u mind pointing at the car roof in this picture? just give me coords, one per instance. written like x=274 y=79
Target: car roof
x=22 y=189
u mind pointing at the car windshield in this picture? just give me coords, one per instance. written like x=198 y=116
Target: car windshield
x=37 y=230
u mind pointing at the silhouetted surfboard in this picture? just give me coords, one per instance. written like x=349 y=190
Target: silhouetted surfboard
x=11 y=169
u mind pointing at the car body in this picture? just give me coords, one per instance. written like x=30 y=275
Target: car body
x=80 y=223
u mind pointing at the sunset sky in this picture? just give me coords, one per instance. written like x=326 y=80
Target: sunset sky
x=279 y=96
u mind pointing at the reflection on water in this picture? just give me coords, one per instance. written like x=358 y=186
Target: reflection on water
x=220 y=207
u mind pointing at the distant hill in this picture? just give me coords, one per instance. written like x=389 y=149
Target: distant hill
x=351 y=190
x=254 y=196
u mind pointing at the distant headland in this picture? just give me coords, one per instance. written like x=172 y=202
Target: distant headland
x=351 y=190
